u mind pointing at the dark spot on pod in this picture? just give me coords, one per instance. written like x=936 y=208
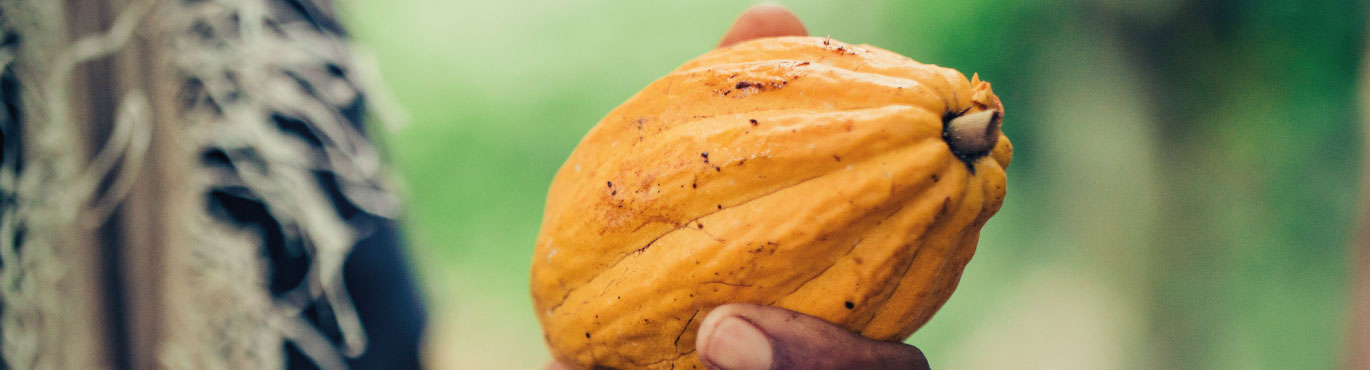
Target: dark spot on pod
x=701 y=226
x=587 y=335
x=694 y=185
x=850 y=305
x=836 y=158
x=706 y=156
x=718 y=169
x=754 y=122
x=615 y=192
x=720 y=206
x=935 y=178
x=611 y=183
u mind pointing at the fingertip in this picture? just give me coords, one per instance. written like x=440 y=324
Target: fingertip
x=763 y=20
x=737 y=344
x=727 y=340
x=769 y=8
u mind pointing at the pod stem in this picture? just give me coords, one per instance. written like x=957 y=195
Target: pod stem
x=973 y=135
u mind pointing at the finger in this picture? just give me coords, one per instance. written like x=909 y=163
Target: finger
x=752 y=337
x=765 y=20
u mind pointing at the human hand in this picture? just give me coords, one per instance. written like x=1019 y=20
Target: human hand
x=754 y=337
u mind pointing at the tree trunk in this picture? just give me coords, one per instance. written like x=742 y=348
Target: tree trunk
x=92 y=165
x=182 y=185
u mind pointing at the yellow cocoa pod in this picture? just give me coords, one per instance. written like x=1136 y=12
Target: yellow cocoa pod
x=841 y=181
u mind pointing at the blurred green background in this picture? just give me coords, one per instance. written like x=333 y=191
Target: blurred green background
x=1181 y=197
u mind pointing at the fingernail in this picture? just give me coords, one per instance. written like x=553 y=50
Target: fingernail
x=738 y=345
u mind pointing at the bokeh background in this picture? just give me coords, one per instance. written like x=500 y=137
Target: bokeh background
x=1181 y=197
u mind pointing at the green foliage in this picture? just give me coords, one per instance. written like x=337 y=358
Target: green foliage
x=1195 y=161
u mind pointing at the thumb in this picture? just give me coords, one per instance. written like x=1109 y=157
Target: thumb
x=752 y=337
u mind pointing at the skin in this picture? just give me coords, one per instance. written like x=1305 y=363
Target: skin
x=753 y=337
x=765 y=20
